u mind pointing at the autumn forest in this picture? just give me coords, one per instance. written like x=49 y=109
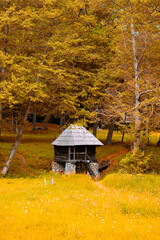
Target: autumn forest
x=90 y=62
x=90 y=67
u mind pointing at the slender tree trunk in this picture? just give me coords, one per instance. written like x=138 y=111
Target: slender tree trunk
x=110 y=133
x=123 y=132
x=34 y=120
x=62 y=121
x=145 y=139
x=16 y=143
x=46 y=121
x=46 y=126
x=122 y=136
x=95 y=126
x=148 y=138
x=13 y=124
x=137 y=120
x=17 y=126
x=0 y=118
x=6 y=31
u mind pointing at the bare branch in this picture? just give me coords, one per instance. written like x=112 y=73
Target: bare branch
x=140 y=72
x=142 y=56
x=136 y=106
x=148 y=91
x=151 y=112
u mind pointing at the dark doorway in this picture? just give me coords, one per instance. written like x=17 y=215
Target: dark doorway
x=81 y=167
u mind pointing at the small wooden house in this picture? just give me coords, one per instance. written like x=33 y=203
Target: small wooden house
x=75 y=152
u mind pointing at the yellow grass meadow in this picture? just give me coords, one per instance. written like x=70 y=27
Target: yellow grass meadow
x=76 y=207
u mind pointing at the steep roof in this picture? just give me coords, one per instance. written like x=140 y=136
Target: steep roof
x=76 y=135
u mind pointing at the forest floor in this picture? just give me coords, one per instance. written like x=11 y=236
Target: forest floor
x=35 y=152
x=113 y=160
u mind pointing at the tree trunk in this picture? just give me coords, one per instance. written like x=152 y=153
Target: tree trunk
x=110 y=133
x=6 y=31
x=0 y=118
x=145 y=139
x=123 y=132
x=62 y=121
x=13 y=124
x=95 y=126
x=16 y=143
x=46 y=121
x=137 y=120
x=122 y=136
x=34 y=120
x=46 y=126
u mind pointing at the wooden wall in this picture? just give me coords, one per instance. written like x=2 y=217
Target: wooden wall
x=62 y=153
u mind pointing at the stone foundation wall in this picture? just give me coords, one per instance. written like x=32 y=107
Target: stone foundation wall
x=94 y=167
x=70 y=168
x=58 y=167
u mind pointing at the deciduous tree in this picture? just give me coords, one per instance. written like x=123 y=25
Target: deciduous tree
x=136 y=62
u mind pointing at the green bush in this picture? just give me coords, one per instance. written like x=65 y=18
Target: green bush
x=135 y=163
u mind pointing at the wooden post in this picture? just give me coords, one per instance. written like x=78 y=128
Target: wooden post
x=45 y=182
x=69 y=153
x=85 y=153
x=74 y=153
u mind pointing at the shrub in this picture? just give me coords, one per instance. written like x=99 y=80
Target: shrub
x=135 y=163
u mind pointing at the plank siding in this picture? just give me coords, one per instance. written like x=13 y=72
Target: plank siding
x=63 y=154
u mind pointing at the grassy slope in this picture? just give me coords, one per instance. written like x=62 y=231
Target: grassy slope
x=38 y=152
x=78 y=208
x=35 y=147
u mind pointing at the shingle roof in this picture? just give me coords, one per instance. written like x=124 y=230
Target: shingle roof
x=76 y=135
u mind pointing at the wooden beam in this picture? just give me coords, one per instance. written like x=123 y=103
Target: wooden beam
x=74 y=153
x=69 y=153
x=85 y=153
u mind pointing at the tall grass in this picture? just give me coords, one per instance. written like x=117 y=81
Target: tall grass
x=137 y=183
x=106 y=150
x=75 y=207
